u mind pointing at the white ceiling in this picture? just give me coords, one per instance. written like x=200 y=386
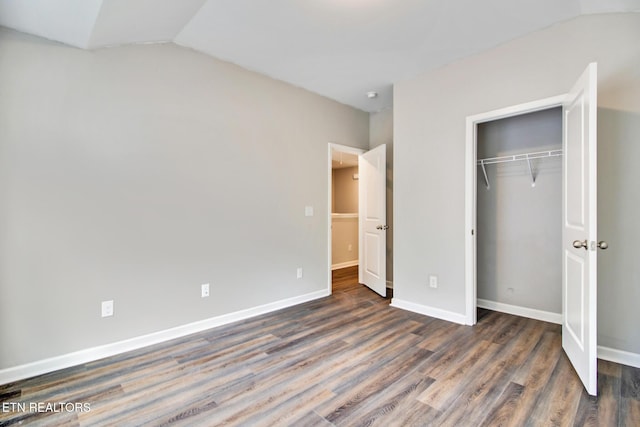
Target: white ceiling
x=337 y=48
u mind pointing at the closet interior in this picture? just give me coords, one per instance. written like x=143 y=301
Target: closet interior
x=519 y=210
x=344 y=210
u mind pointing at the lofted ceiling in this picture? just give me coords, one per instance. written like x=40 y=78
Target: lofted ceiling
x=341 y=49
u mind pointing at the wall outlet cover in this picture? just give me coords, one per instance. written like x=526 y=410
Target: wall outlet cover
x=204 y=290
x=433 y=281
x=107 y=308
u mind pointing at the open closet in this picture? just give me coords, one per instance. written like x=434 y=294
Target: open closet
x=344 y=210
x=519 y=214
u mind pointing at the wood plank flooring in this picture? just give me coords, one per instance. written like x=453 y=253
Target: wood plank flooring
x=345 y=360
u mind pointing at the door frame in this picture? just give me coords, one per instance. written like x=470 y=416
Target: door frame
x=471 y=157
x=340 y=149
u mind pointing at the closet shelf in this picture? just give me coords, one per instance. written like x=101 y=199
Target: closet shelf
x=517 y=158
x=344 y=215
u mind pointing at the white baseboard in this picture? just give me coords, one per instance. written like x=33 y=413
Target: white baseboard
x=91 y=354
x=619 y=356
x=344 y=264
x=532 y=313
x=429 y=311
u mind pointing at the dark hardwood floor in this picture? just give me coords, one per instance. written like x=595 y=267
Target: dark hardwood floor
x=345 y=360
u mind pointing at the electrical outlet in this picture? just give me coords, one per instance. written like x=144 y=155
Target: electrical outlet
x=107 y=308
x=350 y=247
x=308 y=211
x=204 y=290
x=433 y=281
x=299 y=273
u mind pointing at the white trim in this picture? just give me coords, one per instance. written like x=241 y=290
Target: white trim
x=519 y=109
x=470 y=222
x=91 y=354
x=532 y=313
x=429 y=311
x=619 y=356
x=470 y=188
x=344 y=264
x=344 y=149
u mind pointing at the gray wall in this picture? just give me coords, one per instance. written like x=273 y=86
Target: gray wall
x=519 y=226
x=138 y=173
x=429 y=159
x=381 y=132
x=618 y=213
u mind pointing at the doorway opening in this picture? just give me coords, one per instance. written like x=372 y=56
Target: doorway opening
x=371 y=215
x=344 y=236
x=518 y=215
x=506 y=160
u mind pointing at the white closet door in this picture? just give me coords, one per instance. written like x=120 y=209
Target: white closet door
x=579 y=236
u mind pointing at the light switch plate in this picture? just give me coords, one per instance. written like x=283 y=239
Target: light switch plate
x=308 y=211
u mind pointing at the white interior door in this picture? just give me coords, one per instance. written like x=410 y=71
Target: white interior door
x=579 y=232
x=373 y=219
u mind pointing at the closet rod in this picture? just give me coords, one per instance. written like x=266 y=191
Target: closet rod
x=516 y=158
x=519 y=157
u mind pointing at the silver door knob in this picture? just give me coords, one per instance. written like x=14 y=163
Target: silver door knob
x=580 y=244
x=603 y=245
x=382 y=227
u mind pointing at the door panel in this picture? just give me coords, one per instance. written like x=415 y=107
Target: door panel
x=575 y=164
x=576 y=269
x=579 y=287
x=373 y=214
x=372 y=248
